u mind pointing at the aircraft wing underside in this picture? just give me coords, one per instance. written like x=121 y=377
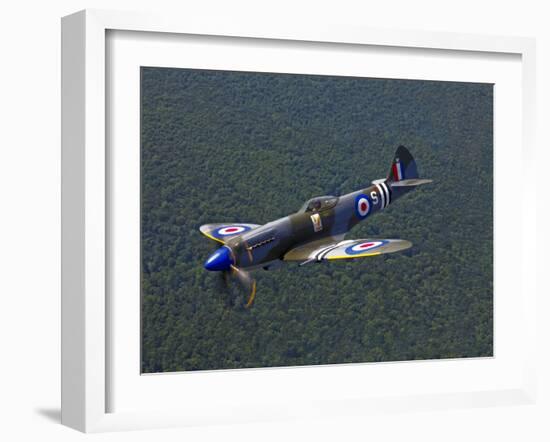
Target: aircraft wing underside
x=349 y=249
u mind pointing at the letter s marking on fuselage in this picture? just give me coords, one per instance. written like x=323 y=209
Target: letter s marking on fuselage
x=374 y=197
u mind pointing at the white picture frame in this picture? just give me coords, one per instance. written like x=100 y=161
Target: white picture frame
x=85 y=206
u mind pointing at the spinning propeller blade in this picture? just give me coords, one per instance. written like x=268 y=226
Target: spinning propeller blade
x=247 y=282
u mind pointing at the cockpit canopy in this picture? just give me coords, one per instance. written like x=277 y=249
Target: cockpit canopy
x=318 y=204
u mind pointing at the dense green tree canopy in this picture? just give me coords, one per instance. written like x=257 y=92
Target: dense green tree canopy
x=222 y=146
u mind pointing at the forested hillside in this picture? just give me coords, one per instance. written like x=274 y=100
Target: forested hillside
x=252 y=147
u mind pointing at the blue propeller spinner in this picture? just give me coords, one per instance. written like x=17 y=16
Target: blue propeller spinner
x=219 y=260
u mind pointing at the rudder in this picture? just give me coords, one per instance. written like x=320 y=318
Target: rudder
x=403 y=166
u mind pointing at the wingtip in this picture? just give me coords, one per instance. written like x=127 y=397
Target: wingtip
x=205 y=230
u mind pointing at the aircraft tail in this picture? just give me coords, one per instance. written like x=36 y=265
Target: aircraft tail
x=403 y=166
x=403 y=173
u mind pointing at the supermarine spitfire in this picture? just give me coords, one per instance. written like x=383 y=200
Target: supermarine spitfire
x=316 y=232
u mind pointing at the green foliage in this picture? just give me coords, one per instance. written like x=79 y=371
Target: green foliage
x=252 y=147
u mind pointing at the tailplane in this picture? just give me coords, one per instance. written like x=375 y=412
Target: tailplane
x=413 y=182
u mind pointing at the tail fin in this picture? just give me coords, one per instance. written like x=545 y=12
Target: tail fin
x=403 y=166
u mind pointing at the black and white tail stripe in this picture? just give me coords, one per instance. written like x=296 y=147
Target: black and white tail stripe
x=382 y=196
x=388 y=193
x=385 y=194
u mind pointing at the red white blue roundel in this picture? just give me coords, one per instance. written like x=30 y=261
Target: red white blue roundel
x=235 y=229
x=362 y=205
x=365 y=247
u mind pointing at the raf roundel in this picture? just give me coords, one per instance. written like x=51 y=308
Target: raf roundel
x=231 y=230
x=362 y=206
x=364 y=247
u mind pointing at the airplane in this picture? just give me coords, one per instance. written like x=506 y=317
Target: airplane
x=316 y=232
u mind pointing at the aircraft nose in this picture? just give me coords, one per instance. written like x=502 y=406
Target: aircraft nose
x=219 y=260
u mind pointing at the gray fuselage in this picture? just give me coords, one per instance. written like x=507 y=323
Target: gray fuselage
x=320 y=218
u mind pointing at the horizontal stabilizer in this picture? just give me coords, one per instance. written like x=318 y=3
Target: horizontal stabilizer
x=410 y=183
